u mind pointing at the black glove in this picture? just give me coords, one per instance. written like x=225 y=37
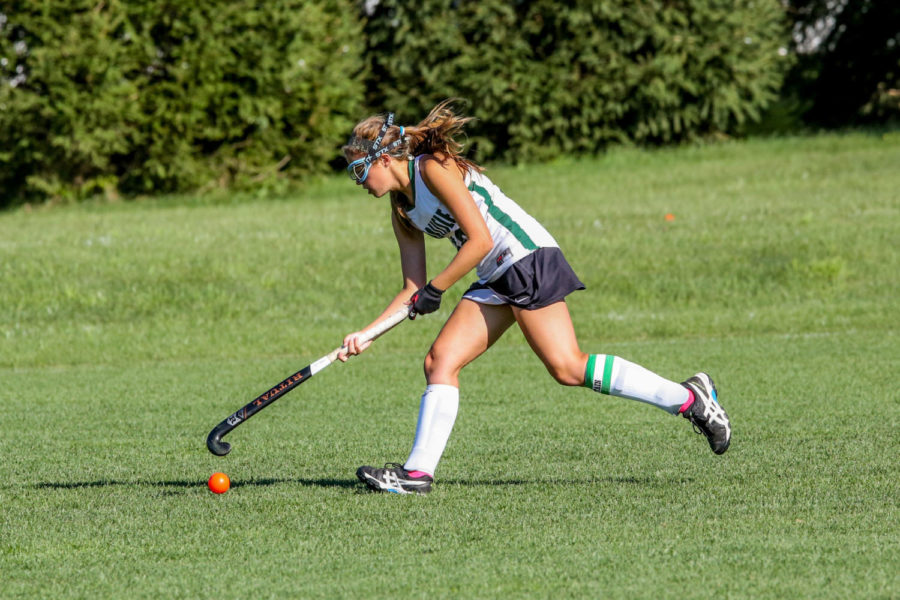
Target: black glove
x=427 y=300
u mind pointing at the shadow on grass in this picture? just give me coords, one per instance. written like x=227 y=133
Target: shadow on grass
x=637 y=481
x=72 y=485
x=354 y=483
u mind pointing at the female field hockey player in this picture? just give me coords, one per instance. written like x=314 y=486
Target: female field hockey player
x=523 y=278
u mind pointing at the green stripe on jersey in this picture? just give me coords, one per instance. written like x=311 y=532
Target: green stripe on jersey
x=412 y=179
x=503 y=218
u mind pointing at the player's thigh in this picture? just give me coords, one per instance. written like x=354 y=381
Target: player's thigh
x=471 y=329
x=551 y=335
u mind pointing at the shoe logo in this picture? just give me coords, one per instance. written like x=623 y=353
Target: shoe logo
x=714 y=413
x=391 y=481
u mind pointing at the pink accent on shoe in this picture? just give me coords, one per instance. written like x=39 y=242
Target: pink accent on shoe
x=687 y=404
x=417 y=474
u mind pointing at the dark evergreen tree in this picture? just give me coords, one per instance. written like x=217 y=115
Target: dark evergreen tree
x=848 y=68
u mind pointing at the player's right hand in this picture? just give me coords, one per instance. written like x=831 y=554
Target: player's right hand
x=351 y=346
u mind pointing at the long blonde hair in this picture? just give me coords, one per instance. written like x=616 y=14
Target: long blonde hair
x=436 y=134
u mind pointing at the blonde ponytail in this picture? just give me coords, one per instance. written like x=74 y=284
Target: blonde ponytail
x=437 y=134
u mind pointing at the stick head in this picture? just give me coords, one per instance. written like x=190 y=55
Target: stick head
x=215 y=444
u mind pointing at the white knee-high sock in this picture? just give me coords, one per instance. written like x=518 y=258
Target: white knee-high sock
x=618 y=377
x=437 y=413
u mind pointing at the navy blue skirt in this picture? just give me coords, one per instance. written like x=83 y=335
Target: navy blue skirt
x=542 y=278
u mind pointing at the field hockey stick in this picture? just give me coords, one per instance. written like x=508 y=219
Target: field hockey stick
x=214 y=440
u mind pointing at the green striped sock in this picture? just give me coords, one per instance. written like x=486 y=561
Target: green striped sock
x=600 y=379
x=618 y=377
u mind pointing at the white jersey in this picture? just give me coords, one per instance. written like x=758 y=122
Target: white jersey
x=515 y=233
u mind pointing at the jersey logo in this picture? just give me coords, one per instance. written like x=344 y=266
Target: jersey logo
x=440 y=224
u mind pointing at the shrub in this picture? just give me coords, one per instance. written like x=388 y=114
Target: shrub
x=546 y=78
x=162 y=95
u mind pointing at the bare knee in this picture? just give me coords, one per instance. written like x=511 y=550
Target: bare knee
x=566 y=377
x=440 y=369
x=570 y=372
x=430 y=362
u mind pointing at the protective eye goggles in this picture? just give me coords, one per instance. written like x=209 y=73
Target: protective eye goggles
x=359 y=168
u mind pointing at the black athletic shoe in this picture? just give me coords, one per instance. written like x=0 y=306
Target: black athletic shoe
x=706 y=414
x=395 y=479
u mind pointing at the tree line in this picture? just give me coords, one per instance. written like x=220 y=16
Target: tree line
x=135 y=97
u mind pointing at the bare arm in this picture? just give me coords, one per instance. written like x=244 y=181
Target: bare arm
x=412 y=265
x=446 y=182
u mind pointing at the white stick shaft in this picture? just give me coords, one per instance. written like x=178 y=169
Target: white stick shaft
x=371 y=333
x=384 y=326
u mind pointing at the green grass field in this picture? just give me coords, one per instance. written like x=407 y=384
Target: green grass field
x=128 y=331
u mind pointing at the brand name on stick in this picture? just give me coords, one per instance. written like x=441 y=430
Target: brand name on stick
x=287 y=383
